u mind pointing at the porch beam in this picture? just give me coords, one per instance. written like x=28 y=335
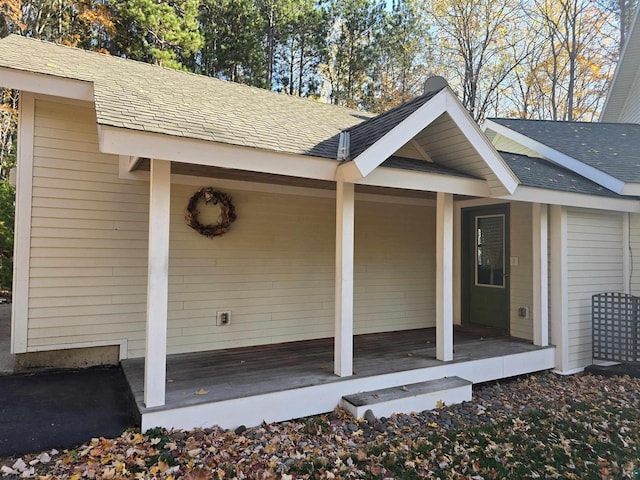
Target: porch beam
x=155 y=361
x=540 y=312
x=444 y=277
x=343 y=339
x=559 y=286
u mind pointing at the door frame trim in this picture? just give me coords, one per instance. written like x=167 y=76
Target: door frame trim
x=463 y=251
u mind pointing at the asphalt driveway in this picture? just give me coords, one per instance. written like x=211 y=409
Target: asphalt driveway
x=61 y=409
x=58 y=408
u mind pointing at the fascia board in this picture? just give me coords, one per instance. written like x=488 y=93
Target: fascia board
x=134 y=143
x=559 y=158
x=481 y=143
x=571 y=199
x=631 y=189
x=424 y=181
x=46 y=84
x=399 y=135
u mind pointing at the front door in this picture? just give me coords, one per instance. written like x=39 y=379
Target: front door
x=485 y=240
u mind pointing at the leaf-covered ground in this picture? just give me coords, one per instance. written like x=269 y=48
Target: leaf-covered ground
x=541 y=426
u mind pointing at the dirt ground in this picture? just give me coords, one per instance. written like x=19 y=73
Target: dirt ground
x=6 y=359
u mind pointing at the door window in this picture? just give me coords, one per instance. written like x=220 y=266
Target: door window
x=489 y=237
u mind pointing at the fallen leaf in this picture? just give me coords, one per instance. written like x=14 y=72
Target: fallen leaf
x=202 y=391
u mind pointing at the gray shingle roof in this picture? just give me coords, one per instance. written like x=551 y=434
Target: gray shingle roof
x=150 y=98
x=539 y=173
x=370 y=131
x=613 y=148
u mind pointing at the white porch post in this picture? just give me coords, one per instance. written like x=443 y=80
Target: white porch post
x=559 y=286
x=155 y=361
x=444 y=277
x=343 y=342
x=540 y=312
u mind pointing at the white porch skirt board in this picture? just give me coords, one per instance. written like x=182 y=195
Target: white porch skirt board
x=313 y=400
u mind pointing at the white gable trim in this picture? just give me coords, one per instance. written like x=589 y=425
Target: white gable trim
x=424 y=181
x=398 y=136
x=482 y=144
x=133 y=143
x=562 y=159
x=443 y=102
x=46 y=84
x=571 y=199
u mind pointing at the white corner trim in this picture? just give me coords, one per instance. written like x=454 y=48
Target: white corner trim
x=559 y=158
x=457 y=264
x=570 y=199
x=22 y=243
x=424 y=181
x=626 y=253
x=46 y=84
x=402 y=133
x=559 y=303
x=481 y=143
x=122 y=141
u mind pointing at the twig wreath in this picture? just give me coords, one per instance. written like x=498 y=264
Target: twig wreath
x=210 y=197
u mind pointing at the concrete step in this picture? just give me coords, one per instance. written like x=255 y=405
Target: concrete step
x=415 y=397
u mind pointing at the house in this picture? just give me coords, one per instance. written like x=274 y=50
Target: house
x=367 y=252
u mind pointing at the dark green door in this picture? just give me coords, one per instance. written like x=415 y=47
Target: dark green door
x=485 y=263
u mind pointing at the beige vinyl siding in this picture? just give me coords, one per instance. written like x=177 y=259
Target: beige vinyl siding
x=394 y=279
x=89 y=233
x=521 y=247
x=594 y=264
x=631 y=110
x=274 y=270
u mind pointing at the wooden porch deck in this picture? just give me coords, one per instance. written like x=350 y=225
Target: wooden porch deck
x=246 y=372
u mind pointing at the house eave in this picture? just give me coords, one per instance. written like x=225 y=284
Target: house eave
x=573 y=199
x=46 y=84
x=134 y=143
x=548 y=153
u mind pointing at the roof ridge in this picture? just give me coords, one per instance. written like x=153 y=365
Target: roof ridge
x=197 y=75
